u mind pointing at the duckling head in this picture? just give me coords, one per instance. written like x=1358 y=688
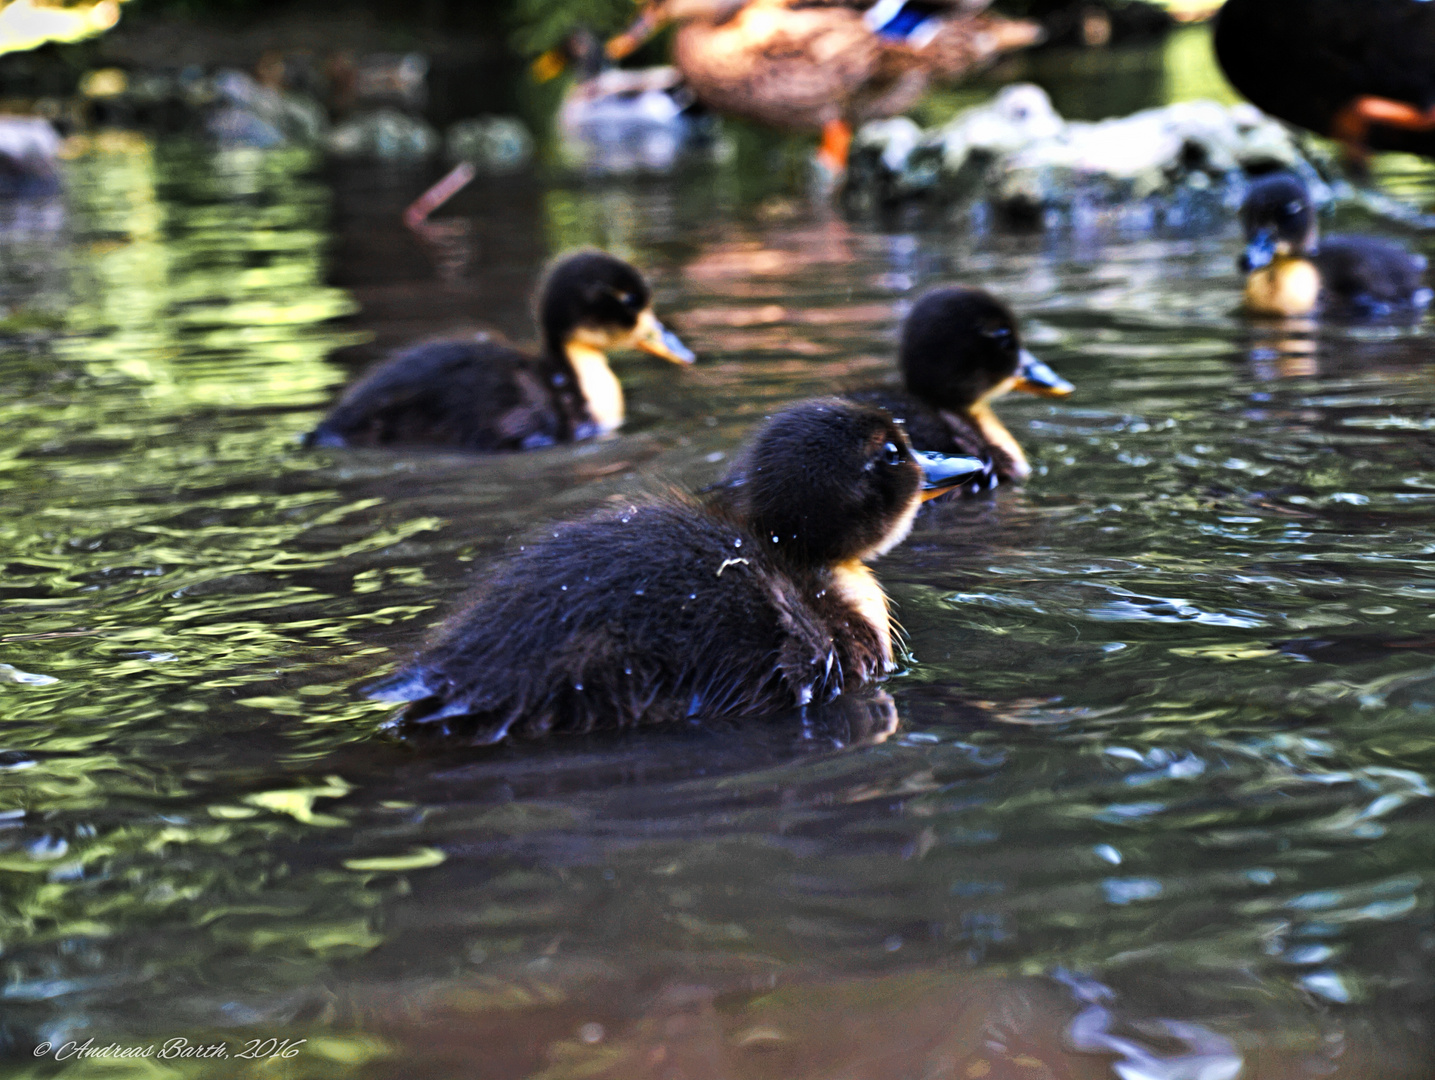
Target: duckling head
x=961 y=347
x=1278 y=219
x=961 y=350
x=828 y=482
x=1281 y=233
x=591 y=302
x=593 y=299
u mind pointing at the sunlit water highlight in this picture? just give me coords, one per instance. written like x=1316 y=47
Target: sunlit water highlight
x=1159 y=804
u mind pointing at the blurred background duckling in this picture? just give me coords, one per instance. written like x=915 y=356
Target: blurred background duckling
x=824 y=65
x=752 y=601
x=1291 y=271
x=961 y=350
x=481 y=393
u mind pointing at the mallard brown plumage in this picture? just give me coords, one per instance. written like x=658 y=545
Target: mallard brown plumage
x=804 y=65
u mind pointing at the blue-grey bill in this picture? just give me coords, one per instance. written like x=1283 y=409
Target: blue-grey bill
x=1034 y=377
x=942 y=471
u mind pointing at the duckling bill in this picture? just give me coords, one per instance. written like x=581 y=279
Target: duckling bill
x=960 y=350
x=483 y=394
x=753 y=601
x=1292 y=271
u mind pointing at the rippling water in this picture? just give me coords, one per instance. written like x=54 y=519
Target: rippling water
x=1158 y=804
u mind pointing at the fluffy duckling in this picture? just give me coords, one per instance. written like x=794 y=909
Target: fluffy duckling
x=752 y=601
x=1291 y=272
x=960 y=350
x=481 y=393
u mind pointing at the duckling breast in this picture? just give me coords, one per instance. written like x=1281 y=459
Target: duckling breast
x=1287 y=287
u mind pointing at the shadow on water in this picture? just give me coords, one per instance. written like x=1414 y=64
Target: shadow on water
x=1156 y=802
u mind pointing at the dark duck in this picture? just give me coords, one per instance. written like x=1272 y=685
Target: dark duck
x=961 y=350
x=753 y=600
x=481 y=393
x=1292 y=271
x=1361 y=71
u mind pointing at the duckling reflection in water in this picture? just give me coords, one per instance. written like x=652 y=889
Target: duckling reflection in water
x=481 y=393
x=961 y=350
x=1290 y=271
x=753 y=601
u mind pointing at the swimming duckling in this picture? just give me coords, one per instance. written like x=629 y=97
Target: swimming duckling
x=481 y=393
x=754 y=600
x=960 y=350
x=1290 y=272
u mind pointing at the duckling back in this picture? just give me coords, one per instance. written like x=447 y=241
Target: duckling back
x=649 y=611
x=468 y=394
x=1368 y=275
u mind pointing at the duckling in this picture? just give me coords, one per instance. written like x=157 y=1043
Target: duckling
x=825 y=65
x=960 y=350
x=751 y=601
x=481 y=393
x=1291 y=272
x=1361 y=71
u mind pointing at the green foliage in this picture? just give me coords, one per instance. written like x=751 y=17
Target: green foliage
x=541 y=25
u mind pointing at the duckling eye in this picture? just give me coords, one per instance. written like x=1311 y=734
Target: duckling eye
x=1000 y=334
x=1292 y=209
x=892 y=454
x=629 y=301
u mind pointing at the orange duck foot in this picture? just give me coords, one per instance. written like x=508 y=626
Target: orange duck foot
x=836 y=142
x=1352 y=124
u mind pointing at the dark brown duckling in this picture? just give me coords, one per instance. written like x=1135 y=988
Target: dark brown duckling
x=481 y=393
x=1291 y=271
x=960 y=350
x=753 y=601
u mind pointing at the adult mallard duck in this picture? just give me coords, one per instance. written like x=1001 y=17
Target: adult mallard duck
x=824 y=65
x=1361 y=71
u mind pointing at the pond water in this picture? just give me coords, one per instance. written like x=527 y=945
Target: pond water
x=1158 y=804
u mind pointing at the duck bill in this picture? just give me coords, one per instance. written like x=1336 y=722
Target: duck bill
x=648 y=23
x=653 y=337
x=941 y=473
x=1034 y=377
x=1260 y=250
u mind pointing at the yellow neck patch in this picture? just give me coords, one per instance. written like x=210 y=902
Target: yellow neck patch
x=1290 y=285
x=598 y=385
x=997 y=435
x=858 y=586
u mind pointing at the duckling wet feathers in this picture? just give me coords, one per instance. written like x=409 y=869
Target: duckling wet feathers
x=481 y=393
x=752 y=601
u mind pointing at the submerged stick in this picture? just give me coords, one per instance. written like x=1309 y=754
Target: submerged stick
x=454 y=181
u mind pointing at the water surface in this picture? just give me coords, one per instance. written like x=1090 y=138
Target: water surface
x=1158 y=798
